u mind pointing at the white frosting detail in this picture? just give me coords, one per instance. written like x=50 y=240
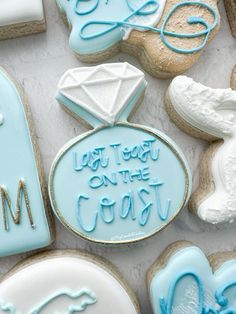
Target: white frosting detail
x=146 y=20
x=212 y=111
x=20 y=11
x=1 y=119
x=104 y=90
x=32 y=285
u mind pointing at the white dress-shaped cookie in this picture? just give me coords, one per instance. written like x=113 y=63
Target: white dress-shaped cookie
x=23 y=214
x=209 y=114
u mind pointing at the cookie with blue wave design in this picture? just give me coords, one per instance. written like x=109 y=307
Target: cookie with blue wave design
x=65 y=282
x=183 y=280
x=167 y=36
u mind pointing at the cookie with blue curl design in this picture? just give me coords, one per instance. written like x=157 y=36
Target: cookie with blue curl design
x=67 y=282
x=184 y=280
x=167 y=36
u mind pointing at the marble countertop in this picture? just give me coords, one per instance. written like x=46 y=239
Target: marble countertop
x=39 y=61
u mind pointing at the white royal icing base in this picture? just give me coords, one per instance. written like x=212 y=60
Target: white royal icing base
x=103 y=92
x=213 y=112
x=20 y=11
x=28 y=288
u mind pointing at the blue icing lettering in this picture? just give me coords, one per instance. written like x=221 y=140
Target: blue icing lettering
x=24 y=224
x=188 y=285
x=94 y=24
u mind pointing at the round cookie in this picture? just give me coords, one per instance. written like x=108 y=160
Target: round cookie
x=115 y=184
x=209 y=114
x=167 y=36
x=65 y=282
x=184 y=280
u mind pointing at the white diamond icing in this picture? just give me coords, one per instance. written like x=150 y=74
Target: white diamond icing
x=212 y=111
x=103 y=91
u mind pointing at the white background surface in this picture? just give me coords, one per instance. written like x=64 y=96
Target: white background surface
x=39 y=61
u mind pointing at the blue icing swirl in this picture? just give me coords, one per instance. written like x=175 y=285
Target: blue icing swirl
x=148 y=8
x=222 y=302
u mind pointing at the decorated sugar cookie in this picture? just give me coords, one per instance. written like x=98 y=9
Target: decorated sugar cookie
x=120 y=182
x=209 y=114
x=230 y=7
x=167 y=36
x=21 y=17
x=233 y=79
x=67 y=282
x=24 y=219
x=184 y=280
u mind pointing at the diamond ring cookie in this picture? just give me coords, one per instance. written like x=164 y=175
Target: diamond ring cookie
x=25 y=223
x=167 y=36
x=66 y=282
x=21 y=17
x=230 y=7
x=209 y=114
x=184 y=280
x=120 y=182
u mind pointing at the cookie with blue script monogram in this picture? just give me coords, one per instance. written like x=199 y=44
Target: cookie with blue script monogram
x=66 y=282
x=25 y=219
x=184 y=280
x=120 y=182
x=167 y=36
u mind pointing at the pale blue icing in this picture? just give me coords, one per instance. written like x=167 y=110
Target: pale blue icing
x=83 y=208
x=89 y=298
x=17 y=161
x=100 y=24
x=188 y=285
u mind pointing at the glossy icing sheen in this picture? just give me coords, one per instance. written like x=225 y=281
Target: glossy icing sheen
x=118 y=178
x=188 y=285
x=64 y=284
x=20 y=11
x=17 y=164
x=213 y=112
x=99 y=24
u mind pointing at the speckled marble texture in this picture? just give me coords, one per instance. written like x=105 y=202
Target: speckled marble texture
x=39 y=61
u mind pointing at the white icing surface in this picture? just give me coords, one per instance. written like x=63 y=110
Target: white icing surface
x=146 y=20
x=214 y=112
x=20 y=11
x=1 y=119
x=34 y=284
x=105 y=91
